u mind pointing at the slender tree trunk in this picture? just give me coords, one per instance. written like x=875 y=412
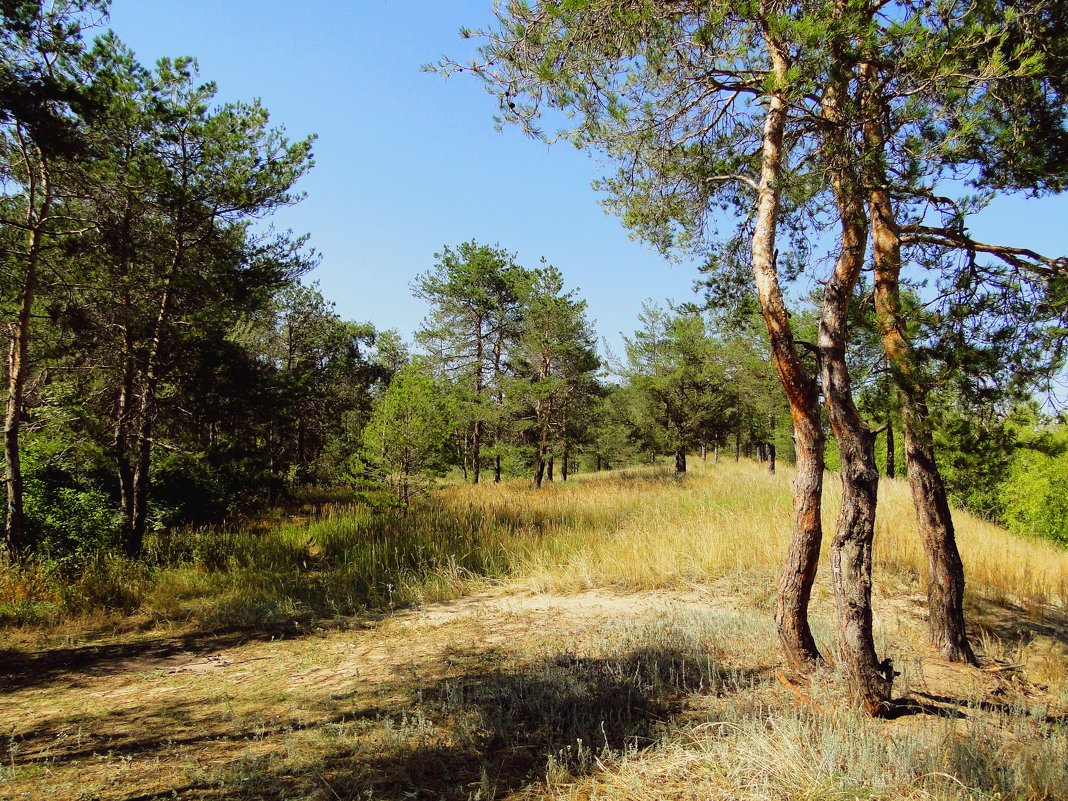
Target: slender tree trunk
x=945 y=571
x=476 y=452
x=851 y=554
x=799 y=571
x=680 y=460
x=123 y=440
x=549 y=468
x=146 y=416
x=14 y=530
x=18 y=366
x=480 y=379
x=498 y=351
x=539 y=472
x=564 y=463
x=715 y=456
x=737 y=446
x=704 y=452
x=771 y=458
x=891 y=461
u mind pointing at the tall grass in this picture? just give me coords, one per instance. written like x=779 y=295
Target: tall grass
x=637 y=529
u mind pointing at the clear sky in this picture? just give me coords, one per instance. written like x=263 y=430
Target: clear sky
x=407 y=162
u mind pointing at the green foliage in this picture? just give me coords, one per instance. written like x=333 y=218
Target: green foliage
x=185 y=489
x=69 y=520
x=406 y=439
x=691 y=384
x=974 y=451
x=1035 y=490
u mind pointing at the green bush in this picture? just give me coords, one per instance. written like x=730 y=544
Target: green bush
x=68 y=520
x=1035 y=495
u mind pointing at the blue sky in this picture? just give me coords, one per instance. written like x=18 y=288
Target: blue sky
x=407 y=162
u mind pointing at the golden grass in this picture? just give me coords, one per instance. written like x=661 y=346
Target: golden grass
x=647 y=530
x=635 y=530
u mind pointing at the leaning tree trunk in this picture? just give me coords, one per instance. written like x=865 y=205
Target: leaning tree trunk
x=945 y=571
x=802 y=558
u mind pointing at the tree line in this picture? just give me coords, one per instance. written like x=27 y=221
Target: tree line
x=166 y=366
x=509 y=383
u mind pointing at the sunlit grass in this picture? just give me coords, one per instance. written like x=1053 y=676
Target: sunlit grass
x=633 y=529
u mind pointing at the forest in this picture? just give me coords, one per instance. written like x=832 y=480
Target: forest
x=792 y=514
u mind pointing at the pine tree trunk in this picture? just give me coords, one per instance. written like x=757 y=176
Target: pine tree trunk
x=851 y=554
x=18 y=368
x=564 y=463
x=799 y=571
x=549 y=468
x=945 y=571
x=891 y=461
x=123 y=440
x=476 y=452
x=771 y=458
x=497 y=469
x=14 y=529
x=141 y=485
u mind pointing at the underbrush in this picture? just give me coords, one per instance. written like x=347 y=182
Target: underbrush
x=636 y=529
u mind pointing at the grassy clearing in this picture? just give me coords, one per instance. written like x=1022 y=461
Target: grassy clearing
x=633 y=529
x=605 y=638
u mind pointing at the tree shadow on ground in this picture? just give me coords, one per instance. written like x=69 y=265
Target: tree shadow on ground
x=493 y=732
x=69 y=664
x=952 y=707
x=1014 y=623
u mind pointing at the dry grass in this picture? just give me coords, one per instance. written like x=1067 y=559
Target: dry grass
x=605 y=638
x=647 y=530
